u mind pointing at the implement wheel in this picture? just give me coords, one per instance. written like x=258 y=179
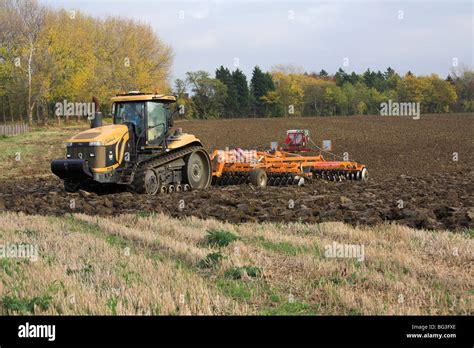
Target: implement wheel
x=364 y=176
x=258 y=178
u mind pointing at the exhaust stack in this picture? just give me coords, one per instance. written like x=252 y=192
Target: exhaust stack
x=97 y=119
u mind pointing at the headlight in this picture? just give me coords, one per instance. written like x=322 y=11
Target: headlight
x=95 y=143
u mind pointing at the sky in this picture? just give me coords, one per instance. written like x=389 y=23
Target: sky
x=421 y=36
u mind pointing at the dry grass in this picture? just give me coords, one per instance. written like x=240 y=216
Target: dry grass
x=30 y=154
x=133 y=264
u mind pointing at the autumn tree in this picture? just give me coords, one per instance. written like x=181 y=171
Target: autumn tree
x=49 y=55
x=184 y=106
x=290 y=88
x=208 y=94
x=22 y=25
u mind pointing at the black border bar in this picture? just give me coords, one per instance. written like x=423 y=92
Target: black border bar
x=328 y=330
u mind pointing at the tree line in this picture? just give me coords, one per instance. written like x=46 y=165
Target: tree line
x=288 y=91
x=47 y=56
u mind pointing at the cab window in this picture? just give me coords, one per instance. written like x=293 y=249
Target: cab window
x=157 y=115
x=132 y=112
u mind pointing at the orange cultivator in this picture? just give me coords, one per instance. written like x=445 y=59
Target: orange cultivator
x=278 y=167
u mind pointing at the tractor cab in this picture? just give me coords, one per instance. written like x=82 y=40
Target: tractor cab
x=148 y=116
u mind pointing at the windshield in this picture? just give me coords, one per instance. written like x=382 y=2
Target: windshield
x=157 y=115
x=132 y=112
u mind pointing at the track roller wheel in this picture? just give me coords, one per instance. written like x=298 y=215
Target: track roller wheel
x=258 y=178
x=179 y=188
x=152 y=183
x=171 y=188
x=163 y=189
x=186 y=188
x=197 y=170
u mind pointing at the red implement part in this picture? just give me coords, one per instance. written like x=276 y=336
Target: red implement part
x=297 y=140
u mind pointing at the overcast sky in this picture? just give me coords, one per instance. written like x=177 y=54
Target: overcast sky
x=422 y=36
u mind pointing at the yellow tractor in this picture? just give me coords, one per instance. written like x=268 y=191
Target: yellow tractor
x=137 y=150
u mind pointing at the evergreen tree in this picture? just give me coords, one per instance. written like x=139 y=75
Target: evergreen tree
x=260 y=84
x=341 y=77
x=231 y=104
x=323 y=73
x=242 y=91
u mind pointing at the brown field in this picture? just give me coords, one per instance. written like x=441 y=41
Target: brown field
x=410 y=162
x=389 y=146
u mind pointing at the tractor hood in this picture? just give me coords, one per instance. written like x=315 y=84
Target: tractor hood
x=105 y=135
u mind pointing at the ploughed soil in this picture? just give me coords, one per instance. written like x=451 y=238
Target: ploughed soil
x=435 y=201
x=420 y=176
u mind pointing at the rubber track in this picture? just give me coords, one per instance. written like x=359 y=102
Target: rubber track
x=162 y=160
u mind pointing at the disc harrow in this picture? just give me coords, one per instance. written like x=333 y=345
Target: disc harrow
x=279 y=168
x=241 y=178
